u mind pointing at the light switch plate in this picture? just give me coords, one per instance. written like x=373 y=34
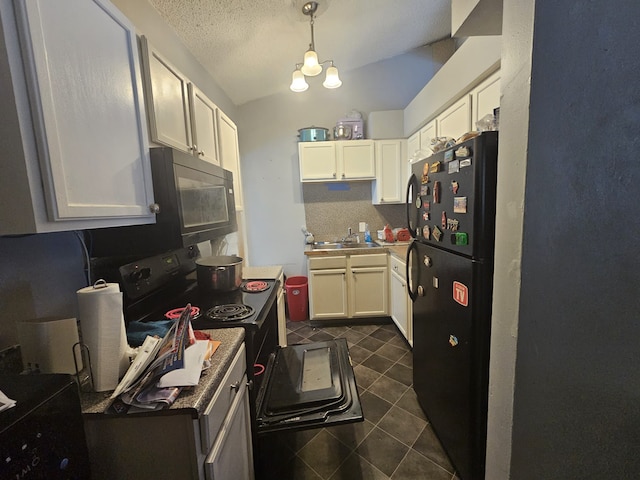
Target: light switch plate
x=362 y=227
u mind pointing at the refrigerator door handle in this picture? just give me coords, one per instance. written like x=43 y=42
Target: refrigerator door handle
x=411 y=185
x=413 y=294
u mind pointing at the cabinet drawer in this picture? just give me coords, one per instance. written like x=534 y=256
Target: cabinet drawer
x=369 y=260
x=398 y=266
x=215 y=413
x=321 y=263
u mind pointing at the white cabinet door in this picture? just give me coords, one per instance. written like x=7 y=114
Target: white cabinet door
x=87 y=113
x=413 y=146
x=401 y=305
x=167 y=100
x=230 y=153
x=232 y=454
x=391 y=174
x=203 y=124
x=398 y=289
x=456 y=120
x=317 y=161
x=427 y=133
x=357 y=159
x=485 y=97
x=369 y=291
x=328 y=294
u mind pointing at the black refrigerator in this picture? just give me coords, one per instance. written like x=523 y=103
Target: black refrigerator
x=451 y=199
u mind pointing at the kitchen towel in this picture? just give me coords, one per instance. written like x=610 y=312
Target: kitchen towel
x=103 y=332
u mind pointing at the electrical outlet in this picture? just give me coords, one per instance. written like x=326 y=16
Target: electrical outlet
x=362 y=227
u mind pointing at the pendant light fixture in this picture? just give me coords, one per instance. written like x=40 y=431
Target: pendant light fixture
x=310 y=67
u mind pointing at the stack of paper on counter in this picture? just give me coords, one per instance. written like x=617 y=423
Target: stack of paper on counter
x=6 y=402
x=162 y=368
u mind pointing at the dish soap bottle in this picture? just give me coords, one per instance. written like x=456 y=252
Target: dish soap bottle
x=367 y=235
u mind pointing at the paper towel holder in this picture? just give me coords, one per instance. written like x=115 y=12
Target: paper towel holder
x=84 y=372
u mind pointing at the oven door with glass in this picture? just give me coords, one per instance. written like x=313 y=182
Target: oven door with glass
x=307 y=386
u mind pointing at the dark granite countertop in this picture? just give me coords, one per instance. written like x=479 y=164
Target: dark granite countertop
x=194 y=400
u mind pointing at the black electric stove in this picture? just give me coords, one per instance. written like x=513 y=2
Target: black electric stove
x=295 y=387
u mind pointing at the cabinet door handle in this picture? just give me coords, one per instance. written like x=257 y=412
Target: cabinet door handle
x=154 y=208
x=334 y=174
x=201 y=153
x=235 y=386
x=343 y=175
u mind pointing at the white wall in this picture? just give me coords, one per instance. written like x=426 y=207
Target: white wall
x=269 y=154
x=512 y=162
x=471 y=63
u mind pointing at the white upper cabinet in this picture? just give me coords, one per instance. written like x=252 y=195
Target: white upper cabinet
x=391 y=168
x=230 y=153
x=74 y=133
x=340 y=160
x=180 y=115
x=427 y=133
x=455 y=121
x=485 y=97
x=413 y=145
x=357 y=158
x=203 y=125
x=168 y=101
x=318 y=161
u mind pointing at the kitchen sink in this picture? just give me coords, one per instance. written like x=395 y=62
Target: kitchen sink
x=326 y=245
x=340 y=245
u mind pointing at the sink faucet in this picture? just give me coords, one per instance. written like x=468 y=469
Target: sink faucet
x=351 y=237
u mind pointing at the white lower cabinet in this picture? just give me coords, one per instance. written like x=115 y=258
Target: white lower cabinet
x=215 y=445
x=328 y=288
x=348 y=286
x=401 y=305
x=231 y=455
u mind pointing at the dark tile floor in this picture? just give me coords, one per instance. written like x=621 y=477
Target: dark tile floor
x=395 y=441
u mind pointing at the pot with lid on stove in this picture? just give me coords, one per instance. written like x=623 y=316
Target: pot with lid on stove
x=219 y=273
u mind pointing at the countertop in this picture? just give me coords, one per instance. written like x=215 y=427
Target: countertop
x=398 y=249
x=267 y=272
x=193 y=399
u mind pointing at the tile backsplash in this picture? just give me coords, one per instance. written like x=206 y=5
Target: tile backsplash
x=331 y=208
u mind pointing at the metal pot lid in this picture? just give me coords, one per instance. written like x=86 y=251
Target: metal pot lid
x=219 y=260
x=313 y=128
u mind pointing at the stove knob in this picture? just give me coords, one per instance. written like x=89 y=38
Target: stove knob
x=135 y=276
x=145 y=273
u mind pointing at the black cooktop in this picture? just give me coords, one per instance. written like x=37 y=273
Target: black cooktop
x=189 y=292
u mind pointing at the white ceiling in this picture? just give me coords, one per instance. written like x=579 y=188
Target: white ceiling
x=250 y=47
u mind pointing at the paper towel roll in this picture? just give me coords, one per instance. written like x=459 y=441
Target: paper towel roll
x=103 y=332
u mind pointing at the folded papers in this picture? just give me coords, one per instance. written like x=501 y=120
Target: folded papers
x=162 y=368
x=6 y=402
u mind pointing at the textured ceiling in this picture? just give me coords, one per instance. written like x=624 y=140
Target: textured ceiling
x=250 y=47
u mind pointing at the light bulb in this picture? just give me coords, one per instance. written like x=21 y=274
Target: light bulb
x=332 y=80
x=311 y=67
x=298 y=83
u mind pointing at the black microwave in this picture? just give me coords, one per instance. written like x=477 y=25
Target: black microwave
x=195 y=203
